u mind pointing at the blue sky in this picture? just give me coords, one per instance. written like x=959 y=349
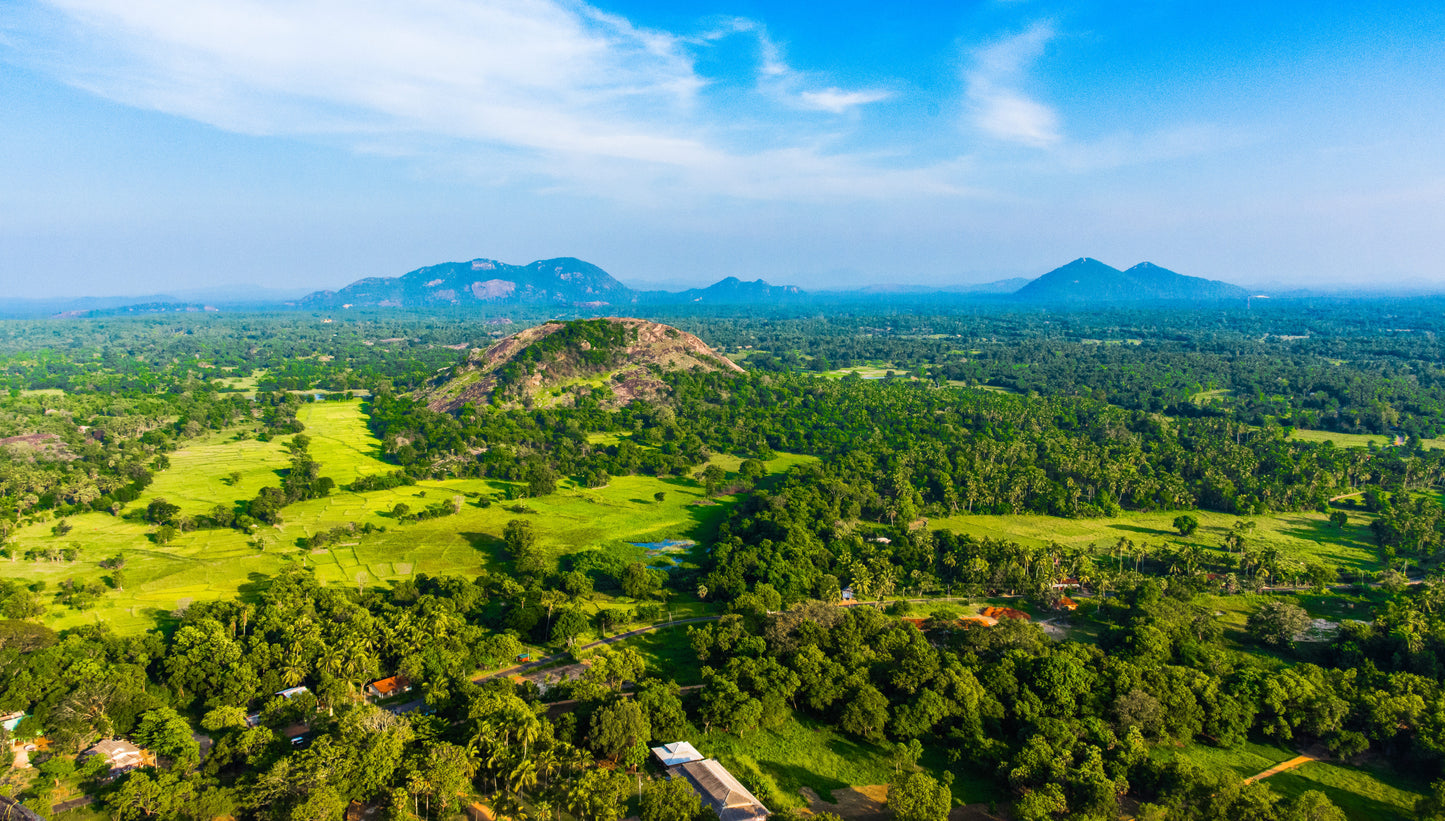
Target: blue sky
x=150 y=145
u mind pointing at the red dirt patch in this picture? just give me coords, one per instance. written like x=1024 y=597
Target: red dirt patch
x=855 y=803
x=46 y=445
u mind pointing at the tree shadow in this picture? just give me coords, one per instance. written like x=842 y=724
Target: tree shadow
x=250 y=590
x=164 y=620
x=791 y=779
x=1149 y=531
x=495 y=549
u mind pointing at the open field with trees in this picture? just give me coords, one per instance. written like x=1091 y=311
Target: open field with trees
x=1302 y=536
x=1099 y=596
x=222 y=563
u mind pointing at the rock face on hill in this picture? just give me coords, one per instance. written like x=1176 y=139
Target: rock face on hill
x=615 y=359
x=1091 y=281
x=563 y=282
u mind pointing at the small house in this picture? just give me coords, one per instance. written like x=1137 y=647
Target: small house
x=847 y=594
x=523 y=658
x=292 y=692
x=122 y=756
x=388 y=687
x=1066 y=603
x=719 y=790
x=678 y=752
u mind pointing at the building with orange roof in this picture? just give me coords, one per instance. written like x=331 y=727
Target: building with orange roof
x=388 y=687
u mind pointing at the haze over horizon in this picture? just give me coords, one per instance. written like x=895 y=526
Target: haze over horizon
x=159 y=146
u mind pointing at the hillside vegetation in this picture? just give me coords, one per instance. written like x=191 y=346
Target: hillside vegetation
x=616 y=359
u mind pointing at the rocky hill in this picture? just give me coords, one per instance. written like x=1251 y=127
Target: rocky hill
x=616 y=359
x=1091 y=281
x=562 y=282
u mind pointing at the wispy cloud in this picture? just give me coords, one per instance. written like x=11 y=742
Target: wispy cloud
x=998 y=106
x=837 y=101
x=556 y=86
x=788 y=85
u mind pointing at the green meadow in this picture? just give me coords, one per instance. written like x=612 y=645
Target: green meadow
x=211 y=564
x=1355 y=440
x=1306 y=536
x=804 y=753
x=1365 y=792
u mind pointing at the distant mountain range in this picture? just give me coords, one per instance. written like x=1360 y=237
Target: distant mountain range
x=567 y=283
x=561 y=282
x=1091 y=281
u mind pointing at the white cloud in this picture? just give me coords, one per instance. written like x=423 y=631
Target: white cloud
x=837 y=101
x=998 y=106
x=780 y=81
x=547 y=88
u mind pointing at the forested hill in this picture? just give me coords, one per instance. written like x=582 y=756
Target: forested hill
x=1088 y=280
x=615 y=360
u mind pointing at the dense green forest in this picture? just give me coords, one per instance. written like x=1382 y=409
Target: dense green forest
x=842 y=598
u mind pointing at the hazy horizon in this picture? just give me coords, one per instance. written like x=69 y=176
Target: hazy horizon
x=162 y=147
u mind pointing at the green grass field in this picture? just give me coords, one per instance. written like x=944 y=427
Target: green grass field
x=1364 y=793
x=803 y=753
x=1355 y=440
x=1208 y=397
x=1246 y=760
x=1303 y=536
x=210 y=564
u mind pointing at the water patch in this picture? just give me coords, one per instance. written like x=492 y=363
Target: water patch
x=670 y=549
x=664 y=545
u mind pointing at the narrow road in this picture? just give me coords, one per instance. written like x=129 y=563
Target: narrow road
x=1281 y=767
x=72 y=804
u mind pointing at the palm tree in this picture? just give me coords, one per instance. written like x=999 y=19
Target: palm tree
x=523 y=775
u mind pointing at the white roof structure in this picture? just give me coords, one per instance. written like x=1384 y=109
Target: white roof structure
x=678 y=752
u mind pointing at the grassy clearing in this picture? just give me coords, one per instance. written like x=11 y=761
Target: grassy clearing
x=1355 y=440
x=803 y=753
x=211 y=564
x=1302 y=536
x=1208 y=397
x=248 y=384
x=668 y=654
x=1243 y=761
x=1344 y=440
x=870 y=371
x=1363 y=793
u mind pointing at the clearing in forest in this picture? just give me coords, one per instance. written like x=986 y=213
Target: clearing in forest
x=211 y=564
x=1305 y=536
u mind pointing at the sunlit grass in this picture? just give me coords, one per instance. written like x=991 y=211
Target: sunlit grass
x=211 y=564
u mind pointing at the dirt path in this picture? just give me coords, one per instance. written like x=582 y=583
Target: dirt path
x=1281 y=767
